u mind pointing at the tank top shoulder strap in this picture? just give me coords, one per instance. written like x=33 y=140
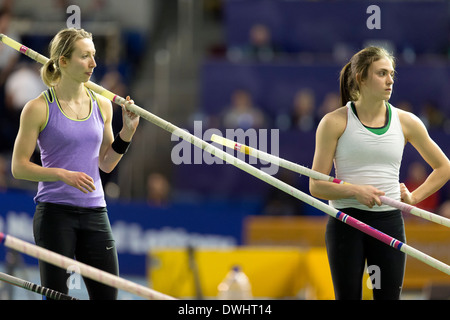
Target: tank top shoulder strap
x=49 y=95
x=50 y=100
x=95 y=103
x=92 y=95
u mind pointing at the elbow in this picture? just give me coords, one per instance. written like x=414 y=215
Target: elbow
x=106 y=168
x=313 y=189
x=107 y=163
x=320 y=189
x=444 y=172
x=15 y=171
x=448 y=170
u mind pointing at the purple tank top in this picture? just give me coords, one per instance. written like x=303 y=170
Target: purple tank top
x=73 y=145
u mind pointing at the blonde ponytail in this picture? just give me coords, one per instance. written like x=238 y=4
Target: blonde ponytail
x=50 y=73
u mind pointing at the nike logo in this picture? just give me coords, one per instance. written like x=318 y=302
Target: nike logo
x=109 y=248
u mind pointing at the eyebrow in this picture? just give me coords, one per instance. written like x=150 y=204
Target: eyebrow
x=384 y=69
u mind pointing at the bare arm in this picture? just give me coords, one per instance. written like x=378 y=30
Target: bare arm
x=109 y=159
x=328 y=132
x=416 y=134
x=32 y=120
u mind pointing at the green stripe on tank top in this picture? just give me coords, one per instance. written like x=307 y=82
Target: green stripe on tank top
x=383 y=129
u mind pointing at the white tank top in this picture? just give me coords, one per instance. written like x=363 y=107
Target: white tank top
x=368 y=158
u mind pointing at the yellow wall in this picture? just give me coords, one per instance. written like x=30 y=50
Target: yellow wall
x=274 y=272
x=306 y=232
x=285 y=257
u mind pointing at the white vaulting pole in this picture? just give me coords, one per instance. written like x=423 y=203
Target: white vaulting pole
x=259 y=173
x=320 y=176
x=85 y=270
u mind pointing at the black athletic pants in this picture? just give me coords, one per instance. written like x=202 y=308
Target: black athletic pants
x=348 y=250
x=80 y=233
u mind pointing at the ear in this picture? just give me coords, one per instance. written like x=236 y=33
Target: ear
x=359 y=80
x=62 y=61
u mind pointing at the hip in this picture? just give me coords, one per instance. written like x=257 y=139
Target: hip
x=59 y=217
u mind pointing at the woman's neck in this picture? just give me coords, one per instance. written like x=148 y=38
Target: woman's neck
x=371 y=113
x=69 y=90
x=74 y=100
x=370 y=107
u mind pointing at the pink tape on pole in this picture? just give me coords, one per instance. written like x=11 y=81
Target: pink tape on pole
x=2 y=237
x=23 y=49
x=369 y=230
x=397 y=204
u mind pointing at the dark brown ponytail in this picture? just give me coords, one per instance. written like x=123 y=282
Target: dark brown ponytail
x=344 y=86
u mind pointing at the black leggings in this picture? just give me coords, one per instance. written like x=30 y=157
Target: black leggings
x=348 y=250
x=75 y=232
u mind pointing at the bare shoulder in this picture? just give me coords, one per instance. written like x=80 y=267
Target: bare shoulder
x=340 y=114
x=105 y=105
x=36 y=103
x=35 y=110
x=411 y=124
x=34 y=114
x=407 y=117
x=336 y=120
x=103 y=100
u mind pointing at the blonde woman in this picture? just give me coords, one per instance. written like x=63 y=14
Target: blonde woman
x=72 y=127
x=364 y=140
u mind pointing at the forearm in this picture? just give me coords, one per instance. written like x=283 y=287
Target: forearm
x=436 y=180
x=110 y=160
x=112 y=153
x=112 y=157
x=27 y=170
x=331 y=191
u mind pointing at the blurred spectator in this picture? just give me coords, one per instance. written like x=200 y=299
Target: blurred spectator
x=416 y=175
x=432 y=117
x=444 y=209
x=280 y=203
x=242 y=113
x=259 y=48
x=304 y=110
x=4 y=167
x=158 y=190
x=8 y=59
x=8 y=56
x=330 y=102
x=113 y=81
x=405 y=105
x=23 y=85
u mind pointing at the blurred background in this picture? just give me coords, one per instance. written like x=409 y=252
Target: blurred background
x=229 y=64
